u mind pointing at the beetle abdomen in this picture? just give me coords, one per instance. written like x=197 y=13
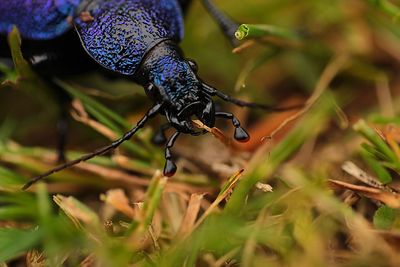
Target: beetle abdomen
x=37 y=19
x=117 y=34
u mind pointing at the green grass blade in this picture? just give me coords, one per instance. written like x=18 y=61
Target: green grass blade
x=246 y=31
x=384 y=217
x=94 y=104
x=383 y=175
x=367 y=132
x=13 y=242
x=386 y=6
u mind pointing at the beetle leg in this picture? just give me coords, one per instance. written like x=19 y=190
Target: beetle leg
x=227 y=25
x=64 y=102
x=151 y=113
x=214 y=92
x=240 y=134
x=170 y=166
x=159 y=137
x=62 y=131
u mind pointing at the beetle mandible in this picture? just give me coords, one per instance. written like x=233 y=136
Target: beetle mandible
x=136 y=38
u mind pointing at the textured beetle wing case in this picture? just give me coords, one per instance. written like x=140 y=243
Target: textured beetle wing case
x=37 y=19
x=117 y=34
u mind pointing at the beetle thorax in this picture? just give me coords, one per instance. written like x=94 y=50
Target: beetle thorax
x=170 y=72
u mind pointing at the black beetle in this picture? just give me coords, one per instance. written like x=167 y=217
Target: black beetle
x=137 y=38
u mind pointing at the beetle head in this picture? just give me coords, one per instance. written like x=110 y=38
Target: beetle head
x=176 y=85
x=201 y=108
x=173 y=83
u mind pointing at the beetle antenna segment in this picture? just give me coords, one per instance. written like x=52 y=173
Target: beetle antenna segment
x=214 y=92
x=170 y=166
x=227 y=25
x=153 y=111
x=240 y=134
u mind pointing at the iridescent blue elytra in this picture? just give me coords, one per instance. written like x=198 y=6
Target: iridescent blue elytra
x=117 y=36
x=121 y=31
x=136 y=38
x=37 y=19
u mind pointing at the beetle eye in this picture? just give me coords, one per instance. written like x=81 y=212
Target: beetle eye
x=193 y=65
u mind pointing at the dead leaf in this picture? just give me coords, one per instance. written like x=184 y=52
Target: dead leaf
x=243 y=46
x=89 y=261
x=119 y=201
x=225 y=192
x=263 y=128
x=191 y=214
x=217 y=133
x=364 y=177
x=79 y=114
x=389 y=198
x=266 y=188
x=391 y=135
x=391 y=237
x=76 y=211
x=133 y=181
x=35 y=258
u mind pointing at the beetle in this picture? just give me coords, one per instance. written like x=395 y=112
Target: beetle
x=135 y=38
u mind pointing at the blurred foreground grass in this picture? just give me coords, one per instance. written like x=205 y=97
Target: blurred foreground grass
x=319 y=186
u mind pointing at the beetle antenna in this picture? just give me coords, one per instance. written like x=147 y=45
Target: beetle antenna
x=227 y=25
x=153 y=111
x=214 y=92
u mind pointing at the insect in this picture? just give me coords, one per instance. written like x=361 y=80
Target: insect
x=136 y=38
